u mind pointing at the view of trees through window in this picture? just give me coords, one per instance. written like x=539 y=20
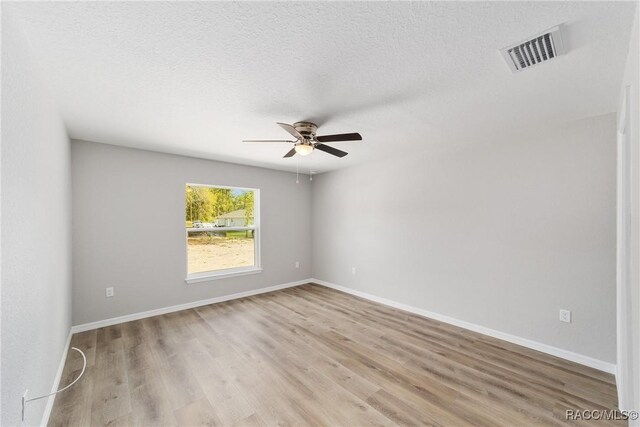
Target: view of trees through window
x=211 y=206
x=209 y=213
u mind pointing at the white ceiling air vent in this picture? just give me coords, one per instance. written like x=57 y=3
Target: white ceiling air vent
x=535 y=50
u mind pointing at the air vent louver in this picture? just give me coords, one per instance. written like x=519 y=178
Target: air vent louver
x=535 y=50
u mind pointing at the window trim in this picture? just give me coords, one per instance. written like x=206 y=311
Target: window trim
x=205 y=276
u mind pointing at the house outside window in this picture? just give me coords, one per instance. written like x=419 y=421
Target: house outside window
x=222 y=231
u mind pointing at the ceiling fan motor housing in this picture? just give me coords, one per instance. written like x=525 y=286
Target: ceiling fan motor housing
x=306 y=129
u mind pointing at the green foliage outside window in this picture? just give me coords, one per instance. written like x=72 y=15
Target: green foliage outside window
x=207 y=204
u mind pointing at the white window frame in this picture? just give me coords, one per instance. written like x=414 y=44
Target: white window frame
x=206 y=276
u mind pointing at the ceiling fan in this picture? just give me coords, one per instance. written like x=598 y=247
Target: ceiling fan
x=306 y=140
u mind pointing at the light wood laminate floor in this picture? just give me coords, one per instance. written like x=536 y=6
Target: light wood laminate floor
x=314 y=356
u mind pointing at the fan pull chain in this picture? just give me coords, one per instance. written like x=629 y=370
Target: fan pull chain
x=297 y=171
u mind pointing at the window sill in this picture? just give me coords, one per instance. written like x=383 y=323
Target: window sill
x=207 y=277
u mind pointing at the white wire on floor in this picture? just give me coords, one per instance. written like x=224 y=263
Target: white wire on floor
x=84 y=366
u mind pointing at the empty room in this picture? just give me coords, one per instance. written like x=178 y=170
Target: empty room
x=313 y=213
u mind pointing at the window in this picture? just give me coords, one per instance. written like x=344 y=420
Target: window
x=222 y=231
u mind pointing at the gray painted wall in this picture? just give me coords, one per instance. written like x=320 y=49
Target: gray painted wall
x=502 y=234
x=128 y=229
x=36 y=232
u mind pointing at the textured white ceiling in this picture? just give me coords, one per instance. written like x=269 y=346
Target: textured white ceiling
x=197 y=78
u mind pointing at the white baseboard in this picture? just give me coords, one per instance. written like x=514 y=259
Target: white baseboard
x=158 y=311
x=534 y=345
x=56 y=382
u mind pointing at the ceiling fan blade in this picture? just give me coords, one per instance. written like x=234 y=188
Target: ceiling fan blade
x=340 y=137
x=291 y=130
x=331 y=150
x=291 y=153
x=266 y=140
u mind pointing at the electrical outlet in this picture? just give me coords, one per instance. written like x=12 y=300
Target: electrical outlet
x=565 y=316
x=353 y=271
x=109 y=292
x=297 y=264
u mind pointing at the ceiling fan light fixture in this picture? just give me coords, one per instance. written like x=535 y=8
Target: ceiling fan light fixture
x=304 y=149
